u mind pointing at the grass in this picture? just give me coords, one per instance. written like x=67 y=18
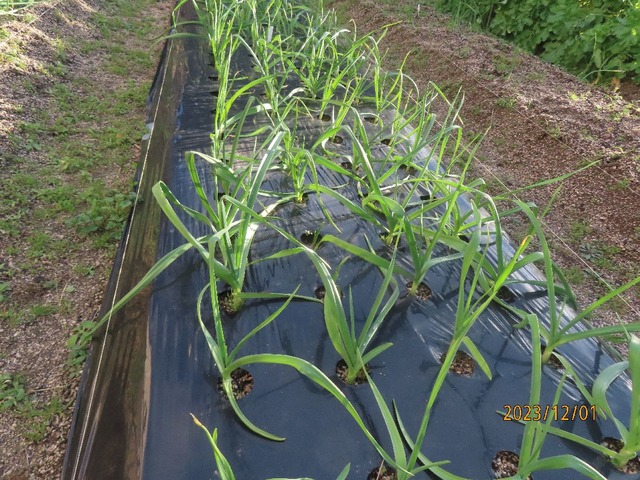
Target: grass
x=352 y=347
x=15 y=7
x=61 y=160
x=12 y=391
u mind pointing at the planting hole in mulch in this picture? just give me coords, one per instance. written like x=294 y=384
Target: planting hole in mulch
x=214 y=93
x=337 y=139
x=423 y=292
x=372 y=119
x=383 y=472
x=241 y=383
x=462 y=364
x=302 y=200
x=320 y=292
x=310 y=239
x=553 y=361
x=505 y=464
x=427 y=197
x=342 y=371
x=226 y=302
x=505 y=294
x=386 y=141
x=213 y=78
x=324 y=117
x=346 y=165
x=408 y=169
x=633 y=466
x=464 y=238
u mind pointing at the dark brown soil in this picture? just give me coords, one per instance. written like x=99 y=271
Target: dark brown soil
x=383 y=473
x=342 y=372
x=423 y=292
x=505 y=464
x=615 y=444
x=241 y=383
x=462 y=364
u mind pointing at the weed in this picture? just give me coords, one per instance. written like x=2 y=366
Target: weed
x=5 y=289
x=38 y=419
x=105 y=214
x=12 y=393
x=536 y=77
x=622 y=184
x=506 y=102
x=574 y=275
x=555 y=132
x=506 y=64
x=578 y=230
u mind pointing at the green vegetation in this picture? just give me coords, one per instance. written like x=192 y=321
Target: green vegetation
x=12 y=393
x=14 y=7
x=594 y=39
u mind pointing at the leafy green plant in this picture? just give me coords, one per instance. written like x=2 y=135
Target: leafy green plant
x=630 y=437
x=12 y=392
x=5 y=289
x=224 y=467
x=351 y=347
x=535 y=432
x=105 y=214
x=558 y=332
x=14 y=7
x=236 y=228
x=596 y=40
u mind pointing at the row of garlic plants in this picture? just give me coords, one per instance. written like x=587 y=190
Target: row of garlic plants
x=414 y=190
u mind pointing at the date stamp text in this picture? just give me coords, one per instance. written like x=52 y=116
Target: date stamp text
x=536 y=413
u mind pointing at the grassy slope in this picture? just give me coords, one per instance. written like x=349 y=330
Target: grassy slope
x=77 y=76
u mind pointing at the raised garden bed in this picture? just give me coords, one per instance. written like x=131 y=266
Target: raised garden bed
x=326 y=273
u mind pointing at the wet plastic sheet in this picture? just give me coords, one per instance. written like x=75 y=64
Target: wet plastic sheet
x=152 y=368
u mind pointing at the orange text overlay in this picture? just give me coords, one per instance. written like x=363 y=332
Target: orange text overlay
x=536 y=413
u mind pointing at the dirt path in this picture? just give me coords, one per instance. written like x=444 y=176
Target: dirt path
x=540 y=123
x=74 y=78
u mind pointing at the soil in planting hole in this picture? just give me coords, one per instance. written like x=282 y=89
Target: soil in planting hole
x=383 y=472
x=225 y=300
x=423 y=292
x=342 y=371
x=386 y=141
x=347 y=165
x=427 y=197
x=324 y=117
x=633 y=466
x=372 y=119
x=320 y=292
x=241 y=383
x=214 y=93
x=213 y=78
x=505 y=294
x=505 y=464
x=337 y=139
x=464 y=238
x=408 y=169
x=310 y=239
x=553 y=361
x=462 y=364
x=303 y=200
